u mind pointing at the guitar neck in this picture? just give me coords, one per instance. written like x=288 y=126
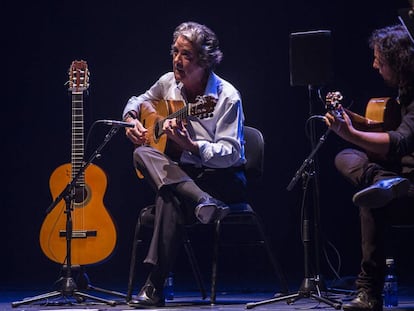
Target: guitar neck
x=180 y=114
x=77 y=136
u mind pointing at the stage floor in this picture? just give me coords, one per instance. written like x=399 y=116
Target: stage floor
x=14 y=299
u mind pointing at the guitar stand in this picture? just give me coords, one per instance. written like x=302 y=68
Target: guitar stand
x=69 y=289
x=83 y=282
x=311 y=286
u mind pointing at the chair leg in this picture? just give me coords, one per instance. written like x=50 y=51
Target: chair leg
x=133 y=263
x=215 y=261
x=193 y=263
x=274 y=262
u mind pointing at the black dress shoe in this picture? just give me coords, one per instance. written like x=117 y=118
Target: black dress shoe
x=381 y=193
x=210 y=209
x=363 y=302
x=148 y=297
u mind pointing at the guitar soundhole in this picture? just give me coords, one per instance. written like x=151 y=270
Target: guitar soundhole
x=157 y=131
x=82 y=195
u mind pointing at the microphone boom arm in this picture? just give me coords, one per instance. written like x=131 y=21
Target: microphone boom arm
x=66 y=192
x=307 y=161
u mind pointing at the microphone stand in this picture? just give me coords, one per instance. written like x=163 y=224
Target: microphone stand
x=310 y=287
x=69 y=287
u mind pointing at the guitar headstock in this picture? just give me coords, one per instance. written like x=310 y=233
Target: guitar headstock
x=333 y=99
x=203 y=107
x=78 y=76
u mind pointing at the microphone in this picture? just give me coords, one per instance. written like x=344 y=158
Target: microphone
x=117 y=123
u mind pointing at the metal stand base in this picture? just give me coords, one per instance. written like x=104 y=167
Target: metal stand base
x=70 y=293
x=308 y=289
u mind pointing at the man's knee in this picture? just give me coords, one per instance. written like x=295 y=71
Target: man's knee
x=138 y=154
x=349 y=160
x=141 y=154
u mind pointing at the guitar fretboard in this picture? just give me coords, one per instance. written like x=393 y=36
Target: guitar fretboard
x=77 y=137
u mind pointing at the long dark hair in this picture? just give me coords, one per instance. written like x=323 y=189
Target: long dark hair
x=395 y=46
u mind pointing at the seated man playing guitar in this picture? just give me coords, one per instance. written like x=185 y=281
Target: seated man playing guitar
x=384 y=170
x=202 y=164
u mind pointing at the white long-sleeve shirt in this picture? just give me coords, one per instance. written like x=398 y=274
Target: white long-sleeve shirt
x=220 y=137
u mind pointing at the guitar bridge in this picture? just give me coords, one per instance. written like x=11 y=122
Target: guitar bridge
x=79 y=234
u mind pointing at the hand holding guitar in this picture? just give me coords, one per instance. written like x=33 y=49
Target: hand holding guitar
x=138 y=134
x=363 y=133
x=176 y=131
x=336 y=118
x=161 y=124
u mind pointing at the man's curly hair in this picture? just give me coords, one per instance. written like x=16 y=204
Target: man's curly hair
x=204 y=40
x=395 y=46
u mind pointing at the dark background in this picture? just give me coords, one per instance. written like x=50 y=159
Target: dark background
x=126 y=45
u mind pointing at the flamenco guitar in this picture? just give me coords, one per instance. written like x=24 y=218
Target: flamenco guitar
x=153 y=114
x=381 y=114
x=93 y=231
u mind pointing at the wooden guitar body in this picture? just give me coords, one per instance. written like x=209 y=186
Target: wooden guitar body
x=89 y=229
x=153 y=114
x=381 y=114
x=385 y=110
x=93 y=233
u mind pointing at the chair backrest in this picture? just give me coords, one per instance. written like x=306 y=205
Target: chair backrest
x=254 y=151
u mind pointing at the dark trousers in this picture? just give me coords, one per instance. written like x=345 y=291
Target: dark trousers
x=357 y=168
x=173 y=207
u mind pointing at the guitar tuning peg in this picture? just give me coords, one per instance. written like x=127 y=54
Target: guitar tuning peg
x=338 y=95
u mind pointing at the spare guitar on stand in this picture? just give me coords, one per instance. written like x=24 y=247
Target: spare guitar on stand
x=78 y=231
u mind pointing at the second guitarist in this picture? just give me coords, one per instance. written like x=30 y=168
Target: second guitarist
x=208 y=171
x=385 y=187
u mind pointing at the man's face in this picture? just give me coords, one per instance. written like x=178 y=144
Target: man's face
x=381 y=64
x=185 y=62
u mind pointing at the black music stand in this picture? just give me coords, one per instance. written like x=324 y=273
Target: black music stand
x=310 y=65
x=69 y=288
x=312 y=284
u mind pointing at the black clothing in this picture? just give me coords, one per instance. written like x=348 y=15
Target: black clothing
x=362 y=172
x=178 y=190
